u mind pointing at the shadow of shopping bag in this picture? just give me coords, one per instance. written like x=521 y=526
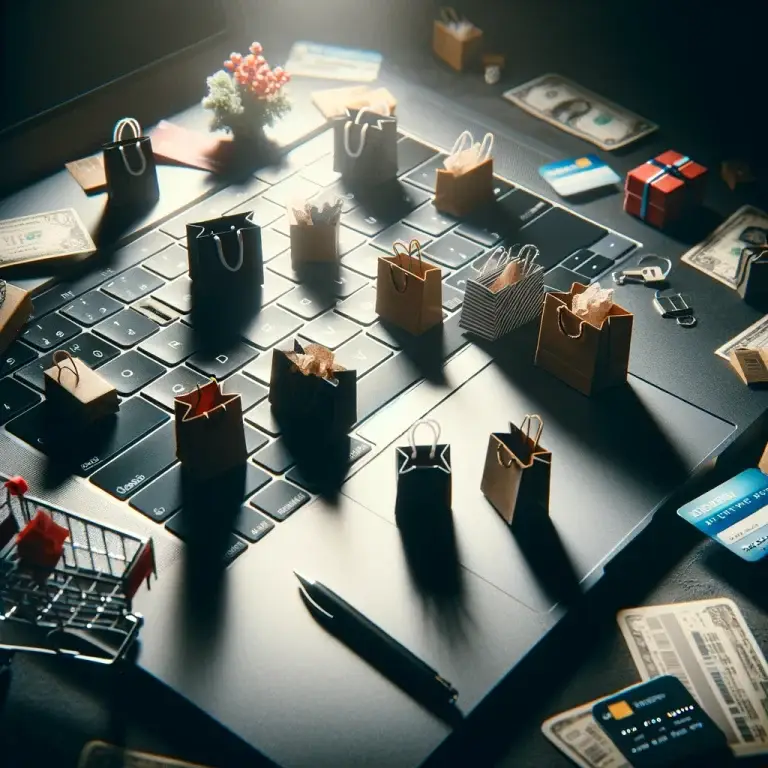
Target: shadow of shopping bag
x=365 y=146
x=129 y=167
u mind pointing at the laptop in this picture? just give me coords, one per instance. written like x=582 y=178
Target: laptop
x=233 y=637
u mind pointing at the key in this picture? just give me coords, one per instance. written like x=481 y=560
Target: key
x=50 y=331
x=229 y=358
x=401 y=232
x=428 y=219
x=330 y=330
x=361 y=306
x=350 y=199
x=483 y=228
x=251 y=525
x=91 y=308
x=280 y=500
x=364 y=222
x=357 y=449
x=453 y=251
x=262 y=418
x=561 y=279
x=362 y=354
x=260 y=368
x=349 y=240
x=15 y=357
x=254 y=440
x=575 y=260
x=132 y=285
x=453 y=338
x=130 y=372
x=383 y=384
x=598 y=264
x=275 y=457
x=260 y=211
x=520 y=208
x=231 y=546
x=170 y=346
x=613 y=246
x=321 y=172
x=274 y=287
x=162 y=497
x=453 y=298
x=139 y=465
x=238 y=194
x=425 y=176
x=364 y=260
x=647 y=275
x=250 y=392
x=169 y=263
x=558 y=233
x=177 y=382
x=126 y=328
x=458 y=280
x=156 y=311
x=411 y=153
x=501 y=187
x=283 y=266
x=270 y=326
x=291 y=190
x=306 y=303
x=273 y=243
x=347 y=283
x=87 y=450
x=14 y=399
x=177 y=294
x=380 y=333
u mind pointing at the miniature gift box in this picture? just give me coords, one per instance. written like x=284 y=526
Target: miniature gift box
x=15 y=310
x=665 y=188
x=455 y=40
x=41 y=542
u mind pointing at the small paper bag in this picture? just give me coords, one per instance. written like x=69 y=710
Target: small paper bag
x=15 y=310
x=210 y=437
x=409 y=293
x=466 y=182
x=308 y=388
x=517 y=471
x=225 y=254
x=365 y=146
x=752 y=274
x=586 y=357
x=77 y=394
x=129 y=167
x=314 y=231
x=423 y=479
x=455 y=40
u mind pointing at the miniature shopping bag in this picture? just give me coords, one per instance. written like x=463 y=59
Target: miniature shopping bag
x=456 y=40
x=314 y=230
x=15 y=310
x=423 y=478
x=210 y=436
x=466 y=182
x=365 y=146
x=129 y=167
x=517 y=472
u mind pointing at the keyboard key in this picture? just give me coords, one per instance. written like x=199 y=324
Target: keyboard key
x=87 y=450
x=231 y=548
x=364 y=222
x=575 y=260
x=501 y=187
x=260 y=368
x=360 y=306
x=222 y=362
x=558 y=233
x=362 y=354
x=411 y=153
x=364 y=260
x=127 y=328
x=270 y=326
x=613 y=246
x=294 y=188
x=453 y=251
x=262 y=418
x=458 y=280
x=238 y=194
x=50 y=331
x=156 y=311
x=275 y=457
x=348 y=197
x=132 y=285
x=14 y=399
x=349 y=240
x=452 y=335
x=162 y=497
x=380 y=333
x=130 y=372
x=251 y=525
x=250 y=392
x=50 y=301
x=140 y=464
x=453 y=298
x=207 y=209
x=561 y=279
x=401 y=232
x=485 y=229
x=169 y=263
x=254 y=440
x=91 y=308
x=383 y=384
x=260 y=211
x=425 y=176
x=595 y=267
x=273 y=243
x=430 y=220
x=16 y=356
x=321 y=172
x=520 y=208
x=280 y=499
x=306 y=303
x=283 y=266
x=177 y=382
x=173 y=345
x=274 y=287
x=357 y=449
x=347 y=283
x=177 y=294
x=330 y=330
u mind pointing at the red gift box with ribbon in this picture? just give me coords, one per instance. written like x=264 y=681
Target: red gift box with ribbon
x=663 y=189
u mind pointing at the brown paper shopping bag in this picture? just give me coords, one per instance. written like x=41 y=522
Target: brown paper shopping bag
x=517 y=471
x=409 y=293
x=210 y=437
x=455 y=40
x=584 y=356
x=466 y=183
x=15 y=310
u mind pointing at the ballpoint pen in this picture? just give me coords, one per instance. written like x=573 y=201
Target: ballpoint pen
x=374 y=645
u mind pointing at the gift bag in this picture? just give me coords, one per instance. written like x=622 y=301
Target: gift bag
x=505 y=297
x=129 y=167
x=307 y=387
x=15 y=310
x=423 y=478
x=455 y=40
x=517 y=471
x=75 y=393
x=314 y=231
x=409 y=293
x=365 y=146
x=583 y=342
x=210 y=437
x=466 y=182
x=225 y=254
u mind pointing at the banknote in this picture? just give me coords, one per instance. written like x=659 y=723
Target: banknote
x=576 y=734
x=754 y=337
x=719 y=253
x=576 y=110
x=708 y=646
x=43 y=236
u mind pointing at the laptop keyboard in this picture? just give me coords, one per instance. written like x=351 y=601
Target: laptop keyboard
x=131 y=321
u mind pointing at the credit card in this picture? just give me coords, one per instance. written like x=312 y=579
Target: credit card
x=735 y=514
x=333 y=62
x=579 y=174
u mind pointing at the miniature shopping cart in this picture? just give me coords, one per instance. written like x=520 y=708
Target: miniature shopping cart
x=66 y=582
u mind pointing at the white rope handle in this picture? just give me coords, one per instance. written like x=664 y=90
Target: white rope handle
x=434 y=426
x=222 y=258
x=363 y=133
x=504 y=257
x=465 y=138
x=117 y=135
x=484 y=152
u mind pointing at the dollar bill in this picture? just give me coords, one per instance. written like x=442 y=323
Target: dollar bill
x=708 y=646
x=576 y=734
x=754 y=337
x=43 y=236
x=577 y=110
x=718 y=255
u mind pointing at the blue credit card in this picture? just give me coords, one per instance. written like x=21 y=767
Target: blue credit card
x=735 y=514
x=580 y=174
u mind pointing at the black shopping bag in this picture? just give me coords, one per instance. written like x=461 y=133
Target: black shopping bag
x=129 y=167
x=365 y=147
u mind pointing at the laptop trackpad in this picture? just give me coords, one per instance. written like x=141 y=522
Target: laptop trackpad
x=615 y=457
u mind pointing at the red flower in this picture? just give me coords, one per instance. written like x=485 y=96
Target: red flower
x=255 y=48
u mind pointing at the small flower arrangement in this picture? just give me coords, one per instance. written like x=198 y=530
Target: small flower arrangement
x=247 y=94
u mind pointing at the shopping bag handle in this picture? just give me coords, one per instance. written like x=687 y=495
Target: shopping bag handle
x=398 y=248
x=563 y=330
x=464 y=142
x=504 y=257
x=61 y=356
x=240 y=257
x=485 y=149
x=448 y=15
x=434 y=426
x=525 y=428
x=117 y=135
x=363 y=133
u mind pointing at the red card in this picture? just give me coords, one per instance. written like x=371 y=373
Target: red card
x=198 y=150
